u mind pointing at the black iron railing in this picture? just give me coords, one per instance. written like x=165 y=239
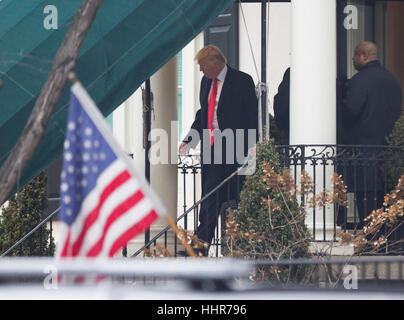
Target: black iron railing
x=343 y=273
x=368 y=171
x=190 y=169
x=45 y=239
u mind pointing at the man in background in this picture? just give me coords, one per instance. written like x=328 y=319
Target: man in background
x=281 y=106
x=371 y=107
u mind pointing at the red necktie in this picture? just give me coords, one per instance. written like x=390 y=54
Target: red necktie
x=211 y=109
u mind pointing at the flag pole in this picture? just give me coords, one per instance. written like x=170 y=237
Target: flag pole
x=188 y=248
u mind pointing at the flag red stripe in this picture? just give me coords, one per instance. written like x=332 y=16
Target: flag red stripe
x=122 y=208
x=93 y=216
x=130 y=233
x=79 y=279
x=66 y=246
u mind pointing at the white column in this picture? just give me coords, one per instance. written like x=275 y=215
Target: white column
x=128 y=129
x=188 y=87
x=163 y=176
x=134 y=120
x=313 y=88
x=191 y=78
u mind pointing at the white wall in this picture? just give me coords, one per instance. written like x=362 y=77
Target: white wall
x=128 y=127
x=191 y=78
x=278 y=43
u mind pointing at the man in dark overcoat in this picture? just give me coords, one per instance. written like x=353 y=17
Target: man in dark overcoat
x=229 y=105
x=281 y=105
x=371 y=107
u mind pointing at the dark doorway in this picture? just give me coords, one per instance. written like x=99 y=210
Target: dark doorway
x=223 y=32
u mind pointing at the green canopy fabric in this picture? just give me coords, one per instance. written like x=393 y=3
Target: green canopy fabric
x=128 y=42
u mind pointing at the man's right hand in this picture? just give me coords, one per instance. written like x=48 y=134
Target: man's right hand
x=183 y=150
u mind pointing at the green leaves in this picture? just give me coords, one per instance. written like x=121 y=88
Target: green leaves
x=394 y=167
x=23 y=213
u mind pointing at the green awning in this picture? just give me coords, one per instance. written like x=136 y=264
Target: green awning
x=128 y=42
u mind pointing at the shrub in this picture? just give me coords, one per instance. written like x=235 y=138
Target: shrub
x=277 y=134
x=395 y=155
x=269 y=223
x=21 y=215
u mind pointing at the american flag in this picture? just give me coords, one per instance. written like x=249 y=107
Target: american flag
x=104 y=201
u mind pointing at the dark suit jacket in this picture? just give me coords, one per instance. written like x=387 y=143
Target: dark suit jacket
x=237 y=108
x=371 y=107
x=281 y=105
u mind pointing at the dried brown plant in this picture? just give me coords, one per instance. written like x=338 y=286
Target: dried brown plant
x=272 y=179
x=307 y=186
x=345 y=237
x=157 y=252
x=289 y=185
x=339 y=195
x=382 y=223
